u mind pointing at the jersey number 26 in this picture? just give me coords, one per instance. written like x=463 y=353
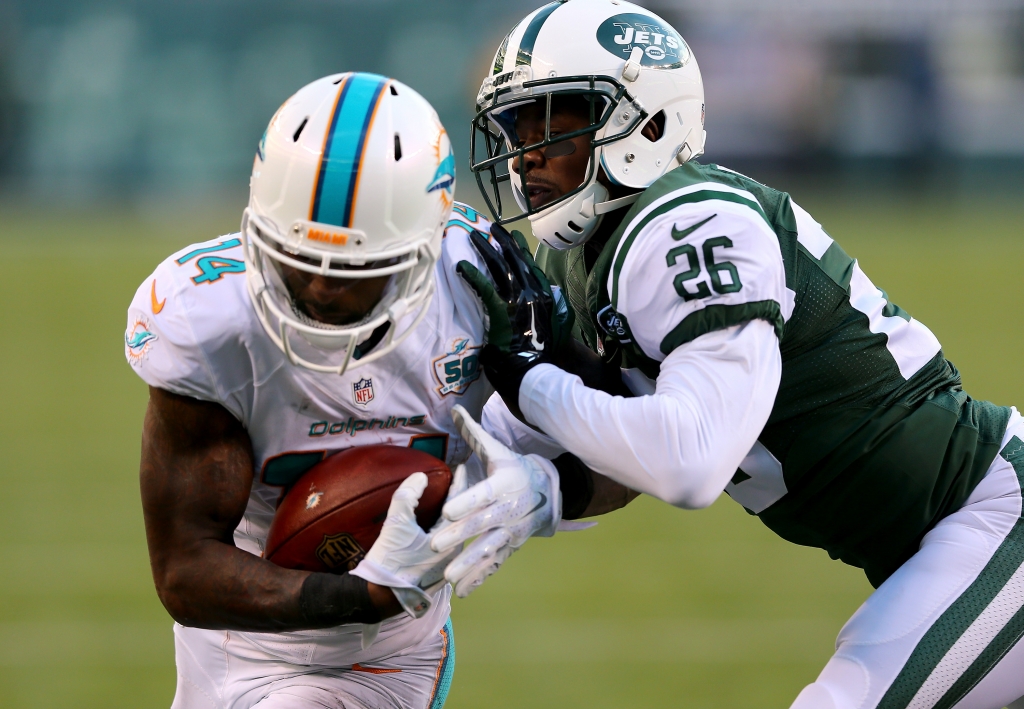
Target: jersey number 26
x=715 y=270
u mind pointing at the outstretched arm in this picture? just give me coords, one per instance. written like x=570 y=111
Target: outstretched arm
x=584 y=492
x=196 y=474
x=683 y=443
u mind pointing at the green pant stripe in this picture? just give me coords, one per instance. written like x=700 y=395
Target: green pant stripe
x=989 y=658
x=955 y=621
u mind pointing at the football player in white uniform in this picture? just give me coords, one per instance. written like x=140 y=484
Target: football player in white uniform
x=335 y=318
x=763 y=361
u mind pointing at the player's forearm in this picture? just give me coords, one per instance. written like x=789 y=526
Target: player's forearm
x=608 y=496
x=576 y=358
x=586 y=493
x=195 y=476
x=218 y=586
x=684 y=443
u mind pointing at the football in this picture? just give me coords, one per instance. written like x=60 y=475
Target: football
x=332 y=515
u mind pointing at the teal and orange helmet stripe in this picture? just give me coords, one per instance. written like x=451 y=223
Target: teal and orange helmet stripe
x=337 y=181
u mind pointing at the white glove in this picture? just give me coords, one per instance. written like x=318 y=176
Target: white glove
x=519 y=499
x=401 y=558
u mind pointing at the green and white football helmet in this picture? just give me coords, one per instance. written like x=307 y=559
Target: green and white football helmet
x=631 y=66
x=353 y=179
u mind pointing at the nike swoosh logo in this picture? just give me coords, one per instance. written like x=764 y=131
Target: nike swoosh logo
x=543 y=501
x=157 y=305
x=679 y=235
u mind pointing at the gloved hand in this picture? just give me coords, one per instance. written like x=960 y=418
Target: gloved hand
x=527 y=321
x=519 y=498
x=401 y=558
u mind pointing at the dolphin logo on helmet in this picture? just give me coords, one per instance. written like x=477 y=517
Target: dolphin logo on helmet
x=444 y=177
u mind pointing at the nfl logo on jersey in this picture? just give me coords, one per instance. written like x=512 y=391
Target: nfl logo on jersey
x=362 y=391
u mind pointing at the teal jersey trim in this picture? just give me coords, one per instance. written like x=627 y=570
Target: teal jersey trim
x=445 y=669
x=338 y=178
x=222 y=246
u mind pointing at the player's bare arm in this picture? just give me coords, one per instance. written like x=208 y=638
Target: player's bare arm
x=313 y=358
x=600 y=495
x=196 y=474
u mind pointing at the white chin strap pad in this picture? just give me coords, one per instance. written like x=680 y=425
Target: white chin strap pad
x=571 y=223
x=546 y=226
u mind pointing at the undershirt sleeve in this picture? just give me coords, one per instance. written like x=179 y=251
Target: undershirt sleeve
x=682 y=444
x=504 y=426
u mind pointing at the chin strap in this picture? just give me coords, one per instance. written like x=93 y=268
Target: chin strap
x=613 y=204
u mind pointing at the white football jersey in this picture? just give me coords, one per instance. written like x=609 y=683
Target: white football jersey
x=192 y=330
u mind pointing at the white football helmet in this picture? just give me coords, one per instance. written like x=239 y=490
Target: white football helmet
x=631 y=65
x=353 y=179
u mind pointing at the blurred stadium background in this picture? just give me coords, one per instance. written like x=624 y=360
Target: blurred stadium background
x=127 y=130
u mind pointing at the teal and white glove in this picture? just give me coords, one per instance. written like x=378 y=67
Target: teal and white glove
x=520 y=498
x=401 y=558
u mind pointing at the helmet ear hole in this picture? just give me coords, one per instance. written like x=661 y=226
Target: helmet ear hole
x=654 y=129
x=575 y=227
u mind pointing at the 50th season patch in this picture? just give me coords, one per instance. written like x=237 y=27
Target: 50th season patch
x=457 y=369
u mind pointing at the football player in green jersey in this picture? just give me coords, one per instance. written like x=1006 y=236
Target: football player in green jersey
x=761 y=359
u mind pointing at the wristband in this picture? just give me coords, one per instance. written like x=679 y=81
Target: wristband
x=327 y=600
x=576 y=484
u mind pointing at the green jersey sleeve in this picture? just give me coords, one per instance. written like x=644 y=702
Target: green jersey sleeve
x=702 y=259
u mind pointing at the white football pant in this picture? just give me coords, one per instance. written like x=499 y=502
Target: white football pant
x=237 y=674
x=942 y=632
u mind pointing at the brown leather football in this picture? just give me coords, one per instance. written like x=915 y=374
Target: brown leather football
x=333 y=513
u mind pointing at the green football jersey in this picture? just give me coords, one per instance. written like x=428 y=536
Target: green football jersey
x=871 y=440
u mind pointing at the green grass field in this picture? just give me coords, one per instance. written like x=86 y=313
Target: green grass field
x=654 y=608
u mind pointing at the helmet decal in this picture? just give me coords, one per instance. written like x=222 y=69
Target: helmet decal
x=444 y=176
x=499 y=57
x=337 y=183
x=662 y=45
x=529 y=39
x=261 y=147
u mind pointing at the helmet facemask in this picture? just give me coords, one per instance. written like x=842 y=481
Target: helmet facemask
x=277 y=268
x=352 y=183
x=572 y=217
